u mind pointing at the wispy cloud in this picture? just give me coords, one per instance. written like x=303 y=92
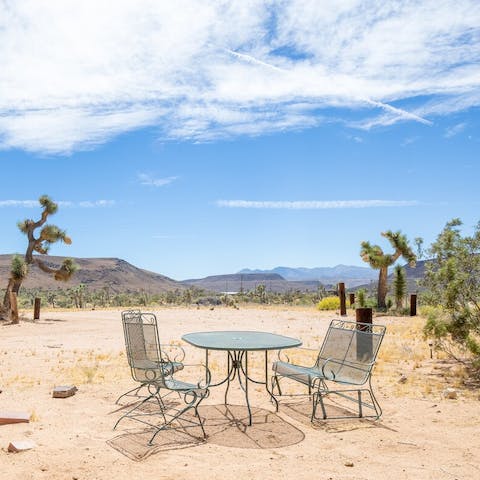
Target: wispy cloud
x=410 y=140
x=315 y=204
x=19 y=203
x=455 y=130
x=61 y=203
x=195 y=74
x=146 y=179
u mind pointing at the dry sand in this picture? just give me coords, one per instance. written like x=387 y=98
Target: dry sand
x=421 y=435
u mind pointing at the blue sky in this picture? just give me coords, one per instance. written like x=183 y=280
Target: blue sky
x=190 y=145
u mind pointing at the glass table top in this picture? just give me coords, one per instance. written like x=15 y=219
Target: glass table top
x=240 y=340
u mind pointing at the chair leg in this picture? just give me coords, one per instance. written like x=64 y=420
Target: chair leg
x=194 y=404
x=276 y=382
x=318 y=399
x=145 y=400
x=129 y=393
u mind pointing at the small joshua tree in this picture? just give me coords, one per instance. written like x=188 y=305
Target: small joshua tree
x=39 y=244
x=374 y=255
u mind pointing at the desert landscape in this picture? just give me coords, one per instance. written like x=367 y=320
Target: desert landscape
x=422 y=434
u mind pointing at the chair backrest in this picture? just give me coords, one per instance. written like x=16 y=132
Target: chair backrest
x=143 y=346
x=352 y=348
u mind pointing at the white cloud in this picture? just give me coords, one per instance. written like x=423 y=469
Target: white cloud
x=75 y=74
x=146 y=179
x=455 y=130
x=316 y=204
x=19 y=203
x=61 y=203
x=95 y=203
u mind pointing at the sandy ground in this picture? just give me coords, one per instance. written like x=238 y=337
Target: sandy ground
x=421 y=435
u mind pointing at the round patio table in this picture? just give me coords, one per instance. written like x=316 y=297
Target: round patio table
x=237 y=344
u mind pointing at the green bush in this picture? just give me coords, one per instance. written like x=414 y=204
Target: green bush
x=329 y=303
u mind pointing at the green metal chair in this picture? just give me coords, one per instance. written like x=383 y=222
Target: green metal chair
x=343 y=367
x=172 y=358
x=149 y=368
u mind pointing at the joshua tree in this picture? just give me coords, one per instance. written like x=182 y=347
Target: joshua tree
x=373 y=254
x=40 y=244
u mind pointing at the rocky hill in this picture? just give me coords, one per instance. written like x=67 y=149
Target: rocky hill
x=96 y=273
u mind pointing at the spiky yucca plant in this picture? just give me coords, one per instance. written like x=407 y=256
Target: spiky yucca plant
x=399 y=286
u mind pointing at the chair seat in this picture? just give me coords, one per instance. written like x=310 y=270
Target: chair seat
x=297 y=372
x=168 y=368
x=180 y=386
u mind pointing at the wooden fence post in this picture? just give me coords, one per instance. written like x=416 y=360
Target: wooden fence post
x=36 y=309
x=364 y=343
x=413 y=304
x=352 y=298
x=343 y=303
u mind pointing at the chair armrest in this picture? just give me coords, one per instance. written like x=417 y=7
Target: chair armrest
x=283 y=354
x=362 y=366
x=177 y=354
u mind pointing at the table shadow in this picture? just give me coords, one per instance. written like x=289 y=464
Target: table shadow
x=225 y=425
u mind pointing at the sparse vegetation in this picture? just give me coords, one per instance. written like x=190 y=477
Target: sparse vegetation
x=452 y=280
x=329 y=303
x=399 y=286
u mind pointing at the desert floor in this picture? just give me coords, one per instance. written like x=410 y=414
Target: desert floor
x=421 y=435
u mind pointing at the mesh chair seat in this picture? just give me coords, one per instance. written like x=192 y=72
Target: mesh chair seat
x=181 y=386
x=299 y=373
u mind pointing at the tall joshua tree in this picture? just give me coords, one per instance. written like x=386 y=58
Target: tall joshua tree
x=37 y=243
x=374 y=255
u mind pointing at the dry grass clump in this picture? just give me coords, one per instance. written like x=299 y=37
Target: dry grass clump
x=93 y=367
x=409 y=365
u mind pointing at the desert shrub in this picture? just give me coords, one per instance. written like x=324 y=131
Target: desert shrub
x=361 y=298
x=452 y=279
x=329 y=303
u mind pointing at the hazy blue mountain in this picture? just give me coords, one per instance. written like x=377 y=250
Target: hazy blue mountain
x=245 y=282
x=339 y=273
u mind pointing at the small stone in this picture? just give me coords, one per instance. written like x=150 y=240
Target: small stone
x=402 y=379
x=349 y=464
x=64 y=391
x=20 y=446
x=450 y=393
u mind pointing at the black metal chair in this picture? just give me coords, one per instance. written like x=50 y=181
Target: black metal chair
x=150 y=368
x=343 y=367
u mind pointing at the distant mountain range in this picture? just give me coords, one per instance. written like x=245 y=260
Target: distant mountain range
x=245 y=282
x=121 y=276
x=350 y=275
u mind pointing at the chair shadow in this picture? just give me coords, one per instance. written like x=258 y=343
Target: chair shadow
x=300 y=409
x=225 y=425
